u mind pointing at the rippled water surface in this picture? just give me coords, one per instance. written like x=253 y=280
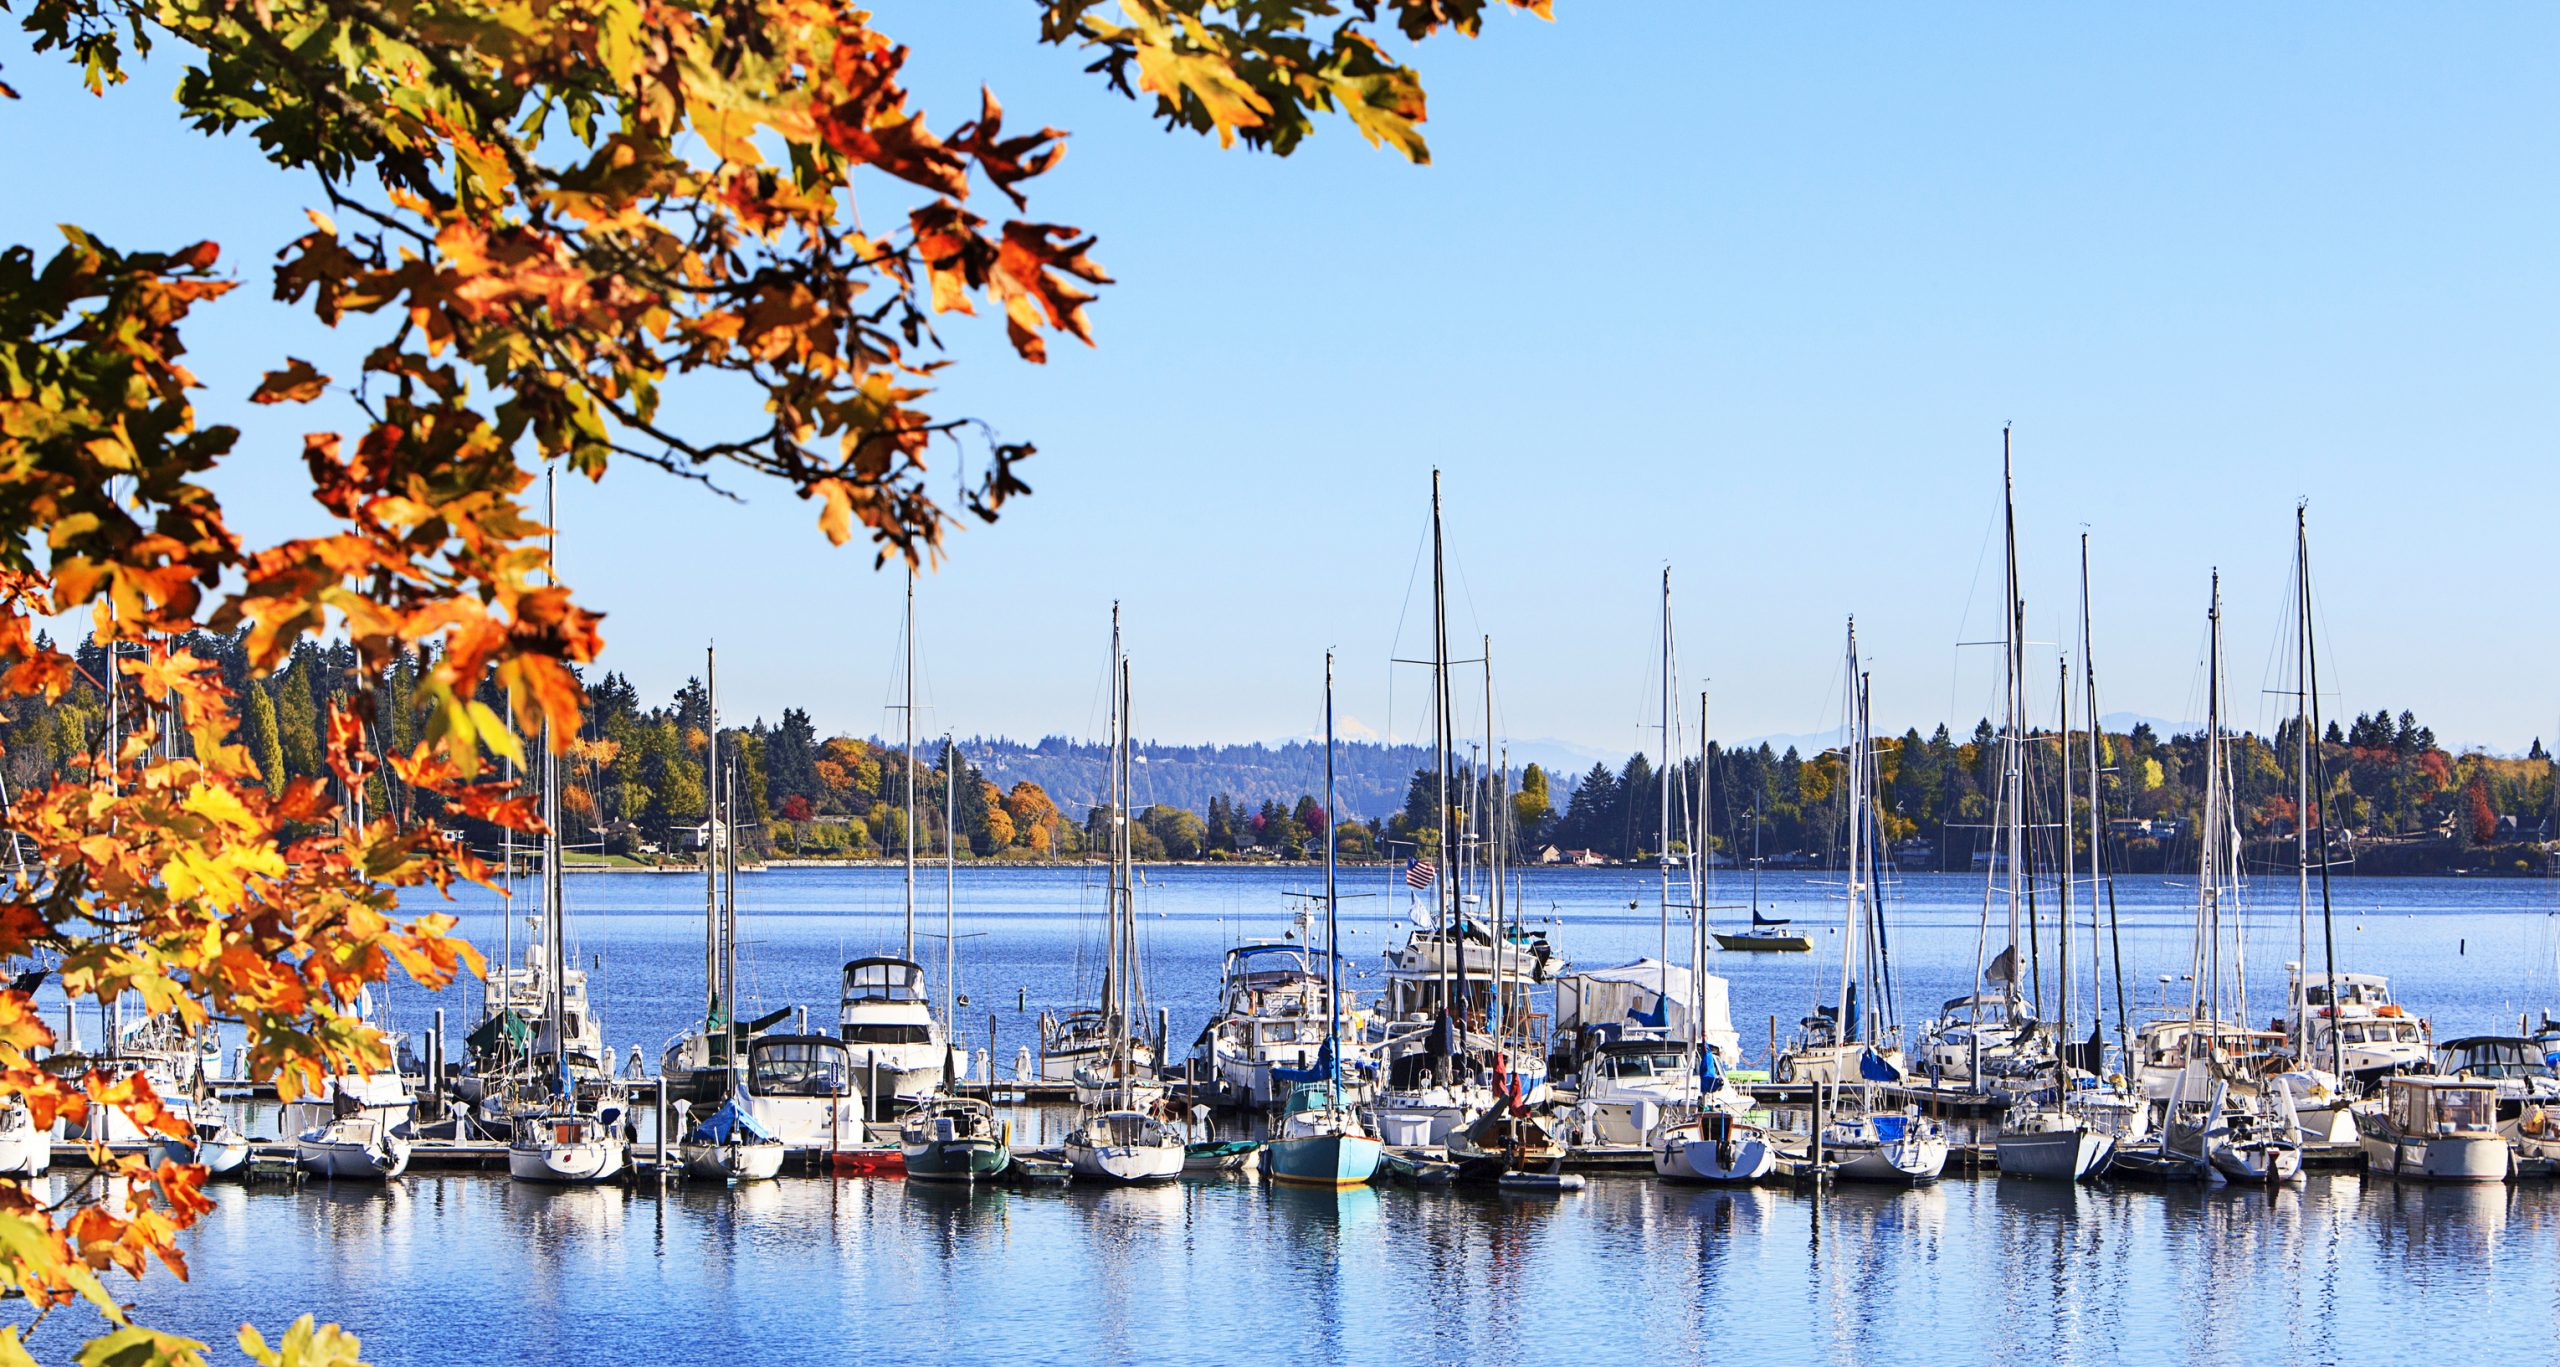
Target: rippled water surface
x=444 y=1269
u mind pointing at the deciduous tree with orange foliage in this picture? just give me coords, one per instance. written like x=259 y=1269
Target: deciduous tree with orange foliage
x=541 y=223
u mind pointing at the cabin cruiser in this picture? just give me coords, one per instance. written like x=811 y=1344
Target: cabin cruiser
x=1434 y=975
x=802 y=1089
x=520 y=1058
x=2351 y=1018
x=1272 y=1013
x=2528 y=1091
x=2434 y=1128
x=889 y=1027
x=1596 y=1006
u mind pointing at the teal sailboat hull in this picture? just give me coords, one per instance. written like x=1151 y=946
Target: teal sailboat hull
x=1323 y=1160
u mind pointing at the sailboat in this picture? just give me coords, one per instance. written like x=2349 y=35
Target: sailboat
x=1991 y=1039
x=1857 y=1038
x=1866 y=1141
x=561 y=1131
x=1104 y=1051
x=1322 y=1141
x=884 y=1012
x=2344 y=1032
x=1120 y=1135
x=2045 y=1134
x=2217 y=1112
x=951 y=1138
x=1714 y=1138
x=730 y=1144
x=1470 y=982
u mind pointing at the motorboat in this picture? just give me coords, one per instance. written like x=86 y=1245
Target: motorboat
x=2528 y=1093
x=887 y=1023
x=383 y=1095
x=2427 y=1127
x=1273 y=1005
x=955 y=1139
x=352 y=1148
x=802 y=1090
x=2348 y=1024
x=564 y=1147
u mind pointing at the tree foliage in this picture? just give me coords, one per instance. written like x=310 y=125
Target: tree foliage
x=544 y=230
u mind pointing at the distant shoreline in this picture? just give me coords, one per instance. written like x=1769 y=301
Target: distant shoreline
x=1043 y=865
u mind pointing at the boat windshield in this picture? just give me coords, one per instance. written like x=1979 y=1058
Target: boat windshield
x=798 y=1068
x=883 y=980
x=888 y=1034
x=1656 y=1064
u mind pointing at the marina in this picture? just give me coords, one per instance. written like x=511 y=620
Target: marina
x=1691 y=1250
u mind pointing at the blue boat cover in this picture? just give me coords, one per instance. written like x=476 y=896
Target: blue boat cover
x=730 y=1121
x=1710 y=1071
x=1656 y=1018
x=1320 y=1072
x=1888 y=1127
x=1874 y=1067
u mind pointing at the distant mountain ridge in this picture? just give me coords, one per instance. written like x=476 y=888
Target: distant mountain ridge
x=1370 y=778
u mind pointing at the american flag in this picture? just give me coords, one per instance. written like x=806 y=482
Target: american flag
x=1418 y=872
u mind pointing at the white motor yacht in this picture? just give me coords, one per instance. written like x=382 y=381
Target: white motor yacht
x=887 y=1023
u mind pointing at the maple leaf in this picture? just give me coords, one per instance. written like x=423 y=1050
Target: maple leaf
x=296 y=383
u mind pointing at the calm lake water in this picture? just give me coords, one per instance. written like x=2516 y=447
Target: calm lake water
x=455 y=1269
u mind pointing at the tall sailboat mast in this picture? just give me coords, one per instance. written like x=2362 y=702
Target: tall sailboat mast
x=2302 y=780
x=2070 y=870
x=1662 y=845
x=2098 y=826
x=2311 y=723
x=712 y=977
x=1849 y=792
x=910 y=713
x=1119 y=829
x=2012 y=747
x=554 y=923
x=1494 y=842
x=1452 y=912
x=1332 y=952
x=950 y=883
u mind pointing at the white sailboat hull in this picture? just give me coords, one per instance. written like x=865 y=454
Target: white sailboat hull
x=1125 y=1162
x=2276 y=1163
x=28 y=1154
x=735 y=1162
x=347 y=1160
x=1687 y=1158
x=573 y=1164
x=2061 y=1155
x=1905 y=1161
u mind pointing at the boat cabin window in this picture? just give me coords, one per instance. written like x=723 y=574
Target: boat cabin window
x=798 y=1068
x=888 y=1034
x=883 y=981
x=1663 y=1064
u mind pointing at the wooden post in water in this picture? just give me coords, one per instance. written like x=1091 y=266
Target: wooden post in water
x=1817 y=1129
x=435 y=1069
x=658 y=1137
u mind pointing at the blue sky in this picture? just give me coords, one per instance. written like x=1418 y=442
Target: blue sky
x=1746 y=290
